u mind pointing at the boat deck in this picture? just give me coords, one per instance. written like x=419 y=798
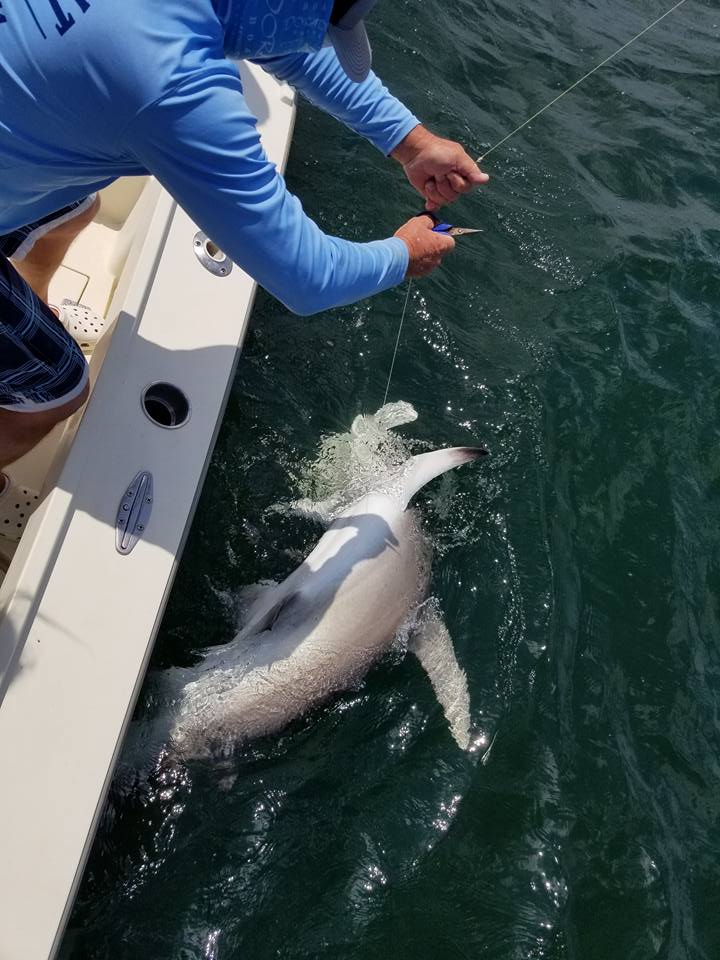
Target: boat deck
x=79 y=617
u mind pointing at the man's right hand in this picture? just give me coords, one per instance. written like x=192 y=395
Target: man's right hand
x=425 y=247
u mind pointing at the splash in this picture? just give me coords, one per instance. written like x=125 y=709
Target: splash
x=349 y=465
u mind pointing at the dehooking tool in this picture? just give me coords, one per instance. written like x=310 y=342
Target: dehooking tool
x=447 y=228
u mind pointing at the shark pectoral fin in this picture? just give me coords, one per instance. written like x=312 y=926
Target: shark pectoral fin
x=426 y=466
x=271 y=617
x=248 y=595
x=431 y=644
x=259 y=605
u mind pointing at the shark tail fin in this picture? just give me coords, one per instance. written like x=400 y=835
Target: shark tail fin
x=426 y=466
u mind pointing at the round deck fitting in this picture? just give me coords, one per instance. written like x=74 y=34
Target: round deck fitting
x=211 y=256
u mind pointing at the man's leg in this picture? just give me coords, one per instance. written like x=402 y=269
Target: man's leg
x=40 y=264
x=20 y=432
x=43 y=373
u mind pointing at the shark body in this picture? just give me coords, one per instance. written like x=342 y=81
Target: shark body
x=320 y=630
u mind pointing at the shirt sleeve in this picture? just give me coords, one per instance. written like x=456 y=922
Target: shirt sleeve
x=368 y=108
x=201 y=142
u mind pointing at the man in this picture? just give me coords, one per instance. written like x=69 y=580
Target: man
x=97 y=89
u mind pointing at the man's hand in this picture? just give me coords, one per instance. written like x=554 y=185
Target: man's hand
x=425 y=247
x=440 y=170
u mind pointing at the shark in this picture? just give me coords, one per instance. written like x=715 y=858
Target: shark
x=319 y=631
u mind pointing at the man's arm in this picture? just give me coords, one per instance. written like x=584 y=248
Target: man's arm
x=201 y=142
x=439 y=169
x=368 y=108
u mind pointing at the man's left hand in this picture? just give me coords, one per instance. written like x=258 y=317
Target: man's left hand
x=439 y=169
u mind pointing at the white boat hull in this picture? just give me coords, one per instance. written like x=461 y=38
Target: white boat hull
x=78 y=617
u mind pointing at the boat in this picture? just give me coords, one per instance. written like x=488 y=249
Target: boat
x=83 y=592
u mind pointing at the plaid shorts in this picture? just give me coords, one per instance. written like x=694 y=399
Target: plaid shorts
x=20 y=242
x=41 y=366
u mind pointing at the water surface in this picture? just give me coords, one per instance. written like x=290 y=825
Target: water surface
x=577 y=568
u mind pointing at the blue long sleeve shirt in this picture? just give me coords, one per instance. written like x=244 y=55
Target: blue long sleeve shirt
x=95 y=89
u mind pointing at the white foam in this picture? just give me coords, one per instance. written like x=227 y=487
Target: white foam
x=351 y=464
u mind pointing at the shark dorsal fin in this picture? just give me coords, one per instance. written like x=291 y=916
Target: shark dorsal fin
x=423 y=468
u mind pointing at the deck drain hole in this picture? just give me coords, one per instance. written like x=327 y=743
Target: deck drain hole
x=166 y=405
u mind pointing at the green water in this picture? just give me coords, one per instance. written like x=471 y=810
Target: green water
x=577 y=568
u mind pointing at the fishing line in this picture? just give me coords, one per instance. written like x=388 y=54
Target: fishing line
x=397 y=341
x=578 y=82
x=522 y=127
